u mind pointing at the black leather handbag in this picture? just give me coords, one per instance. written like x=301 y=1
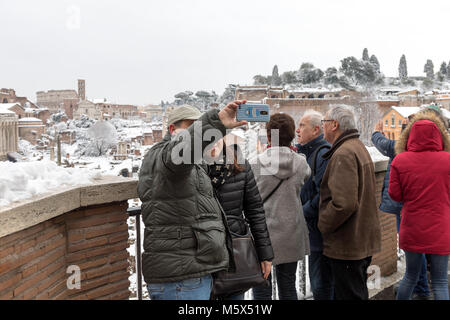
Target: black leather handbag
x=248 y=267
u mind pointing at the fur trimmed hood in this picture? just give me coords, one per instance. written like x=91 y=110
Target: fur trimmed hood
x=410 y=141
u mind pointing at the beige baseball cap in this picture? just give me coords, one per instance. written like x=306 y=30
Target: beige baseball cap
x=184 y=113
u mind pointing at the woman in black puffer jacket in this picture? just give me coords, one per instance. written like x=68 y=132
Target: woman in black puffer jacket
x=238 y=194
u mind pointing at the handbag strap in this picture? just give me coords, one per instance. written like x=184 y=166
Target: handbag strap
x=273 y=191
x=247 y=228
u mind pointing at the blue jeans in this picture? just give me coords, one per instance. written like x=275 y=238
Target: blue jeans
x=438 y=272
x=285 y=273
x=421 y=288
x=189 y=289
x=320 y=277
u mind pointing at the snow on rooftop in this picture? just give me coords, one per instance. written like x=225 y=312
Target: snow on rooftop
x=29 y=119
x=406 y=111
x=4 y=107
x=6 y=111
x=102 y=100
x=312 y=90
x=22 y=180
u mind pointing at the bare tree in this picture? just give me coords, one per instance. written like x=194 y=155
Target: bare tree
x=103 y=136
x=367 y=115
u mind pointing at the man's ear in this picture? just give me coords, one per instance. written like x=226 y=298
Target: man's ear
x=172 y=128
x=316 y=130
x=335 y=126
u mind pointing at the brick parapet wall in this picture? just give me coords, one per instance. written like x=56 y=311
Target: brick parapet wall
x=35 y=260
x=87 y=227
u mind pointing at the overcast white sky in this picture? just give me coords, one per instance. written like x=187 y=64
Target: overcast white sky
x=142 y=52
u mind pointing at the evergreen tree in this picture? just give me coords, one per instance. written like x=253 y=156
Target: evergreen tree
x=351 y=68
x=276 y=79
x=259 y=80
x=443 y=69
x=360 y=72
x=448 y=70
x=309 y=74
x=365 y=55
x=289 y=77
x=429 y=69
x=373 y=59
x=331 y=76
x=403 y=69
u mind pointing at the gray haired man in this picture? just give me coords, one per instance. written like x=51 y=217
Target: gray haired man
x=312 y=144
x=348 y=217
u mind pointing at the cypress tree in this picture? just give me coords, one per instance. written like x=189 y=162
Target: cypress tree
x=403 y=69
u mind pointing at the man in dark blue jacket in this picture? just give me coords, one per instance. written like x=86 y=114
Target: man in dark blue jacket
x=313 y=145
x=387 y=148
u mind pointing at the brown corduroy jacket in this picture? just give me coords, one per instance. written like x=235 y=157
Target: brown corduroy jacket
x=348 y=217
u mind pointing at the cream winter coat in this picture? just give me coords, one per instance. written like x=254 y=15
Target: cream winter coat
x=284 y=214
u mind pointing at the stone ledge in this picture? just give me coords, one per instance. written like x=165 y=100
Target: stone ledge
x=380 y=165
x=23 y=214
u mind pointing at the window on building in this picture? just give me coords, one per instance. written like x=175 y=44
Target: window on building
x=273 y=96
x=291 y=96
x=321 y=96
x=393 y=123
x=311 y=96
x=5 y=100
x=400 y=123
x=386 y=123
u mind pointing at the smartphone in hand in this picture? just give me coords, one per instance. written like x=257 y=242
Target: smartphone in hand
x=253 y=112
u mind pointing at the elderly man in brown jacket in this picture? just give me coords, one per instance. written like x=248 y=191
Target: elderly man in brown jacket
x=348 y=218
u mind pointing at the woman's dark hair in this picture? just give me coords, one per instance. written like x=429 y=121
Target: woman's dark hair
x=286 y=126
x=237 y=154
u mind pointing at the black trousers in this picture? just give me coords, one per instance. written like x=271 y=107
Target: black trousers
x=286 y=276
x=350 y=278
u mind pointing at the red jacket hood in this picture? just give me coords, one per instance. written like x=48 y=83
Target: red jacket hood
x=425 y=136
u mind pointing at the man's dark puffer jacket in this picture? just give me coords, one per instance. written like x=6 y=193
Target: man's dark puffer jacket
x=240 y=194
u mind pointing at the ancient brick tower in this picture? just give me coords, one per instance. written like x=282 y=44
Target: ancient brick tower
x=82 y=90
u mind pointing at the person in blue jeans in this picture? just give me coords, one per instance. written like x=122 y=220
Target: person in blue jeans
x=189 y=289
x=312 y=144
x=387 y=148
x=438 y=272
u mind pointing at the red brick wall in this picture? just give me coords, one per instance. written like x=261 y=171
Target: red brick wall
x=34 y=261
x=387 y=258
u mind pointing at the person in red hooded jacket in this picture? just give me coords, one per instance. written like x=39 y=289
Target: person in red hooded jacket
x=420 y=178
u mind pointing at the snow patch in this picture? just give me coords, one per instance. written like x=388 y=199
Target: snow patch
x=22 y=180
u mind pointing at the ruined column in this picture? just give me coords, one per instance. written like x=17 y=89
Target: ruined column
x=17 y=135
x=1 y=137
x=8 y=137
